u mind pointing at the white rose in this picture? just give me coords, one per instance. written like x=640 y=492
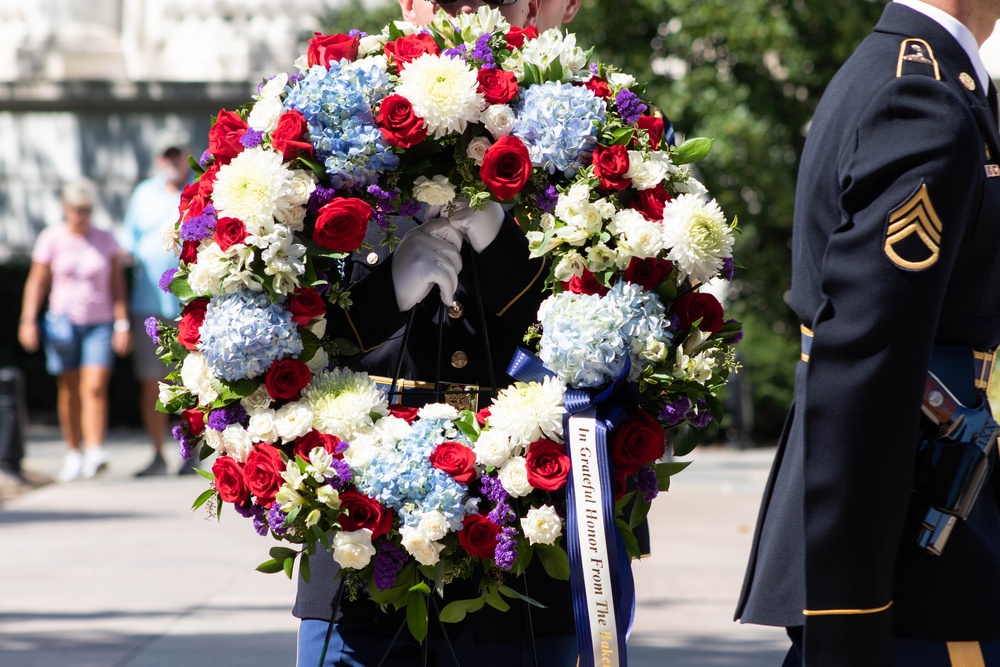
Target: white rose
x=493 y=448
x=499 y=120
x=257 y=401
x=265 y=113
x=275 y=86
x=197 y=377
x=418 y=545
x=647 y=171
x=213 y=439
x=514 y=477
x=477 y=149
x=389 y=430
x=292 y=420
x=236 y=442
x=170 y=236
x=370 y=44
x=433 y=524
x=360 y=453
x=437 y=411
x=438 y=191
x=261 y=426
x=621 y=80
x=353 y=549
x=542 y=525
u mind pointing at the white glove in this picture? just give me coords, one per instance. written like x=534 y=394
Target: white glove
x=479 y=227
x=428 y=255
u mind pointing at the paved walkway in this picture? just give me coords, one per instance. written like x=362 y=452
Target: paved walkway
x=117 y=572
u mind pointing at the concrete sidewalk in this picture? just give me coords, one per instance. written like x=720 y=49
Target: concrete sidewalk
x=117 y=572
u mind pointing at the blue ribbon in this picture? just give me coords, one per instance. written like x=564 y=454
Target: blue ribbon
x=526 y=367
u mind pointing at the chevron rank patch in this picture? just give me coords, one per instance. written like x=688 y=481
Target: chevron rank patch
x=913 y=233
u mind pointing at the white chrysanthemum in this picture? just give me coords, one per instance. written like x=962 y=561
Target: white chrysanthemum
x=437 y=191
x=318 y=361
x=292 y=420
x=197 y=377
x=236 y=442
x=570 y=265
x=265 y=114
x=255 y=187
x=499 y=120
x=514 y=477
x=477 y=149
x=425 y=550
x=542 y=525
x=257 y=401
x=444 y=91
x=643 y=238
x=647 y=170
x=353 y=549
x=697 y=235
x=437 y=411
x=530 y=411
x=261 y=427
x=493 y=448
x=342 y=402
x=433 y=524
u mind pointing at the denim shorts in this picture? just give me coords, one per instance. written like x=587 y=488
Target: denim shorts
x=69 y=346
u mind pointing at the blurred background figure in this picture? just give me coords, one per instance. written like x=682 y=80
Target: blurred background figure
x=154 y=201
x=554 y=13
x=80 y=270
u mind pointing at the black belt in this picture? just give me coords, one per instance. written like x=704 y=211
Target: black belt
x=964 y=361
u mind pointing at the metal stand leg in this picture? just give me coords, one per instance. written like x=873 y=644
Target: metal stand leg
x=329 y=630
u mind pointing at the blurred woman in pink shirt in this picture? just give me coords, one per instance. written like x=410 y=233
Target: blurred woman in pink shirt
x=81 y=271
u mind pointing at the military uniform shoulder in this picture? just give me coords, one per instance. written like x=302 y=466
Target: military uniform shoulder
x=916 y=56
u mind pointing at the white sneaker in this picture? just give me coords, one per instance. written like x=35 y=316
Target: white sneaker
x=94 y=461
x=72 y=466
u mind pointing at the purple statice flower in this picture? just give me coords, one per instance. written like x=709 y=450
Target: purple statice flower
x=252 y=138
x=409 y=208
x=341 y=447
x=594 y=69
x=357 y=34
x=647 y=483
x=185 y=443
x=257 y=513
x=483 y=52
x=379 y=193
x=166 y=279
x=247 y=510
x=506 y=551
x=178 y=432
x=737 y=337
x=276 y=520
x=260 y=525
x=492 y=488
x=388 y=562
x=205 y=158
x=233 y=413
x=630 y=107
x=460 y=51
x=547 y=199
x=152 y=326
x=200 y=227
x=344 y=475
x=727 y=268
x=700 y=416
x=295 y=78
x=319 y=198
x=676 y=412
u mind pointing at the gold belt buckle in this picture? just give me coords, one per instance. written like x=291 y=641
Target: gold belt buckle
x=462 y=396
x=985 y=378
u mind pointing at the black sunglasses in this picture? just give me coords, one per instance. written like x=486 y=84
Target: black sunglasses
x=492 y=3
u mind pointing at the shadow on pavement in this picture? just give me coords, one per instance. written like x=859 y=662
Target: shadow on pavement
x=707 y=651
x=21 y=516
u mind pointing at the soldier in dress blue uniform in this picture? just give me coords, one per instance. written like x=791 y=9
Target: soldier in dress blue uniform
x=895 y=272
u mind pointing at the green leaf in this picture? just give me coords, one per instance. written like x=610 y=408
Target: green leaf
x=203 y=498
x=304 y=569
x=554 y=560
x=207 y=474
x=456 y=611
x=420 y=587
x=494 y=600
x=691 y=150
x=511 y=593
x=416 y=616
x=671 y=468
x=288 y=566
x=290 y=519
x=532 y=75
x=180 y=288
x=269 y=567
x=640 y=508
x=467 y=424
x=631 y=544
x=554 y=71
x=685 y=440
x=622 y=136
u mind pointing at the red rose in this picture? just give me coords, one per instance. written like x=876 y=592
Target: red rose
x=400 y=125
x=289 y=136
x=313 y=439
x=229 y=481
x=341 y=224
x=363 y=512
x=324 y=49
x=189 y=328
x=621 y=485
x=229 y=232
x=506 y=167
x=195 y=420
x=497 y=86
x=587 y=283
x=305 y=306
x=286 y=378
x=640 y=440
x=610 y=166
x=649 y=273
x=599 y=87
x=189 y=252
x=404 y=412
x=478 y=536
x=654 y=128
x=224 y=137
x=547 y=464
x=482 y=416
x=407 y=49
x=517 y=36
x=695 y=306
x=262 y=472
x=650 y=202
x=188 y=195
x=455 y=459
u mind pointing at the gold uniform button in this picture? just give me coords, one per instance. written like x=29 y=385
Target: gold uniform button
x=372 y=258
x=456 y=310
x=459 y=359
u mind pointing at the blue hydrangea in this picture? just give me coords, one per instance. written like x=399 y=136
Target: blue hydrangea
x=338 y=106
x=244 y=333
x=404 y=479
x=558 y=122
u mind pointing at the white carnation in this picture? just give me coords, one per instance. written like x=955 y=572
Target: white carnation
x=499 y=119
x=514 y=477
x=437 y=191
x=292 y=420
x=213 y=439
x=697 y=235
x=444 y=91
x=353 y=549
x=542 y=525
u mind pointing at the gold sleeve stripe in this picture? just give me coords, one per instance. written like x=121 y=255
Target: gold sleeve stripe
x=914 y=216
x=545 y=263
x=844 y=612
x=357 y=336
x=807 y=332
x=966 y=654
